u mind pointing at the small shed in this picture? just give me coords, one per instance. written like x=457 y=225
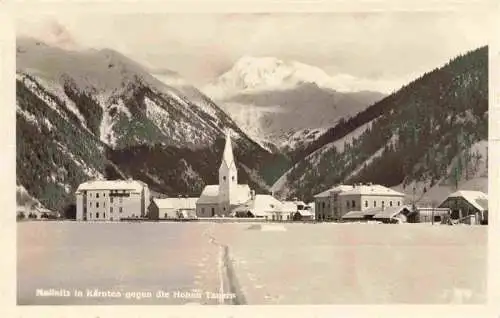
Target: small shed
x=465 y=203
x=398 y=214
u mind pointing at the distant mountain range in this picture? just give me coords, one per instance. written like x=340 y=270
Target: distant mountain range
x=93 y=113
x=272 y=99
x=431 y=136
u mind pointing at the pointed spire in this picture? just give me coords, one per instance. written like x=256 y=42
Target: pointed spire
x=228 y=157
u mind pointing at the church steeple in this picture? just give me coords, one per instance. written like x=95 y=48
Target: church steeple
x=228 y=178
x=227 y=156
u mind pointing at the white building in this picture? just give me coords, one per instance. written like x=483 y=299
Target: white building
x=327 y=203
x=111 y=200
x=172 y=208
x=219 y=200
x=369 y=196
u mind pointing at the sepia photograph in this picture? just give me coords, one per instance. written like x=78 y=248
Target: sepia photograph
x=234 y=158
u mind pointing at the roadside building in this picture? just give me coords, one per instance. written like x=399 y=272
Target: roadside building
x=327 y=203
x=111 y=200
x=467 y=204
x=172 y=208
x=369 y=196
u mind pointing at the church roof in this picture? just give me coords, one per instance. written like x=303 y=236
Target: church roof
x=210 y=194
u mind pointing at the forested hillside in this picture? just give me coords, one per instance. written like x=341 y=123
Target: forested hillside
x=424 y=131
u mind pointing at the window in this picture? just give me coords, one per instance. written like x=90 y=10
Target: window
x=111 y=209
x=374 y=204
x=104 y=204
x=90 y=215
x=104 y=194
x=224 y=178
x=111 y=199
x=353 y=203
x=383 y=203
x=90 y=204
x=97 y=204
x=90 y=194
x=97 y=215
x=323 y=205
x=213 y=211
x=366 y=203
x=121 y=200
x=347 y=203
x=390 y=203
x=399 y=203
x=104 y=214
x=232 y=178
x=97 y=195
x=202 y=210
x=121 y=210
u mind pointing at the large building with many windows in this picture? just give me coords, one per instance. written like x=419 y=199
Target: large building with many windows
x=111 y=200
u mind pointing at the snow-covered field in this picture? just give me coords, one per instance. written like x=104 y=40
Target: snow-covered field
x=359 y=263
x=280 y=264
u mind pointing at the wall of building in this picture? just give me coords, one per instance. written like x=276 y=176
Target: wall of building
x=205 y=210
x=358 y=202
x=106 y=205
x=79 y=207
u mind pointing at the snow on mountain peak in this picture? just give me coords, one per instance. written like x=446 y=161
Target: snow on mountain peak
x=251 y=73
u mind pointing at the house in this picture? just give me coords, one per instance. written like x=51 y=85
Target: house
x=368 y=196
x=172 y=208
x=220 y=199
x=327 y=203
x=260 y=206
x=290 y=208
x=304 y=214
x=467 y=203
x=112 y=200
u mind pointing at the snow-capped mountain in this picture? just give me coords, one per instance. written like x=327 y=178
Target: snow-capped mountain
x=88 y=113
x=272 y=99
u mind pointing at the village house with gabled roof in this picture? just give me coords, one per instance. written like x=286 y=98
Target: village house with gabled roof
x=220 y=199
x=465 y=203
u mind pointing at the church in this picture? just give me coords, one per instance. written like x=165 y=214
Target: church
x=220 y=199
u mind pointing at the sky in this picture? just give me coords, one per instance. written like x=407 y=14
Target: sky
x=389 y=47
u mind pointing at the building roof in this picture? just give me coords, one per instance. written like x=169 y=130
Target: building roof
x=354 y=215
x=260 y=205
x=210 y=194
x=389 y=213
x=371 y=189
x=176 y=203
x=132 y=185
x=477 y=199
x=335 y=189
